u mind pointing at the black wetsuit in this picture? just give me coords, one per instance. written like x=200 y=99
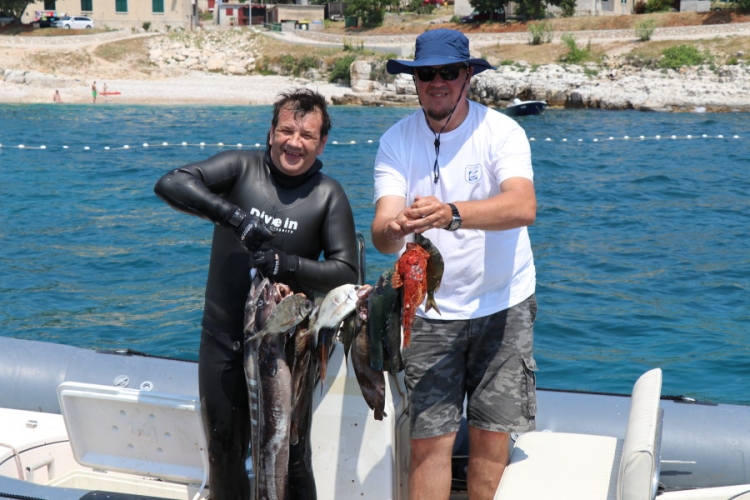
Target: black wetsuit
x=311 y=215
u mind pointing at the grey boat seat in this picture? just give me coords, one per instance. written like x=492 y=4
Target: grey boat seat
x=565 y=466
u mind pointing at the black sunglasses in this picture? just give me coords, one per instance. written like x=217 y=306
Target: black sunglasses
x=447 y=73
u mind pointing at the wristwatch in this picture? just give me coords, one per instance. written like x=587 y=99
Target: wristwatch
x=456 y=221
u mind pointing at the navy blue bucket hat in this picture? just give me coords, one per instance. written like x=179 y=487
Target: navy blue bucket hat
x=439 y=48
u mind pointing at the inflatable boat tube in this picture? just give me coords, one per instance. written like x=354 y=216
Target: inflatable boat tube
x=703 y=444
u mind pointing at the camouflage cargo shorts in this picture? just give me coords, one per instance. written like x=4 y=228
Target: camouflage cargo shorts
x=489 y=360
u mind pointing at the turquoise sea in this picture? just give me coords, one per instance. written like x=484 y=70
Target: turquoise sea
x=641 y=239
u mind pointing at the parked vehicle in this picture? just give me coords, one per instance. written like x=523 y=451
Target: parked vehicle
x=6 y=18
x=482 y=17
x=719 y=5
x=74 y=22
x=46 y=21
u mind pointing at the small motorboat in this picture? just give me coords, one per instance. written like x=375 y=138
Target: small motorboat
x=525 y=108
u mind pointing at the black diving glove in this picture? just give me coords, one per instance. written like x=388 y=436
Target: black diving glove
x=274 y=263
x=250 y=230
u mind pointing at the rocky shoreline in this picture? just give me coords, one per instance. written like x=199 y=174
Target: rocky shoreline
x=616 y=86
x=613 y=84
x=225 y=58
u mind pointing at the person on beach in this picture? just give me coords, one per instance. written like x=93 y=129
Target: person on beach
x=56 y=96
x=460 y=174
x=310 y=215
x=93 y=92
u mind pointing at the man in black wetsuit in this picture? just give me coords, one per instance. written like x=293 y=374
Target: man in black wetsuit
x=310 y=214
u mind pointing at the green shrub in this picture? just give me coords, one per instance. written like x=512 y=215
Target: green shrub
x=540 y=33
x=575 y=54
x=645 y=29
x=305 y=63
x=354 y=45
x=658 y=6
x=341 y=71
x=681 y=55
x=146 y=26
x=287 y=63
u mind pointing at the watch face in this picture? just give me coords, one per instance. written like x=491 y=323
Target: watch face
x=455 y=224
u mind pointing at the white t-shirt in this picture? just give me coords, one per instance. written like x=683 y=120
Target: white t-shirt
x=485 y=271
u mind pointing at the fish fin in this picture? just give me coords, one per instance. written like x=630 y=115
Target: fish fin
x=294 y=433
x=255 y=337
x=379 y=414
x=396 y=281
x=323 y=364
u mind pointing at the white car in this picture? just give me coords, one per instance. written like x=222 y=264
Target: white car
x=74 y=22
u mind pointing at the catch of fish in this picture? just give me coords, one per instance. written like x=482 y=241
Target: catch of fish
x=288 y=340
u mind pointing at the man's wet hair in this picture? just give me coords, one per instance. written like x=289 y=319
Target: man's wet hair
x=302 y=102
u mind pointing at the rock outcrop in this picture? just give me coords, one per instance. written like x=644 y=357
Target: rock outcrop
x=611 y=85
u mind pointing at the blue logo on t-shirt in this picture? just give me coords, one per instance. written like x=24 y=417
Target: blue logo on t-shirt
x=473 y=173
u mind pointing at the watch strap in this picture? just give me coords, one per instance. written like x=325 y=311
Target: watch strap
x=455 y=220
x=238 y=216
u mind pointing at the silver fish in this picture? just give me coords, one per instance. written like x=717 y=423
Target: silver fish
x=290 y=312
x=336 y=305
x=260 y=303
x=275 y=418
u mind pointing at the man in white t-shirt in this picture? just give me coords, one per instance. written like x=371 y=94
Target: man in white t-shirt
x=460 y=174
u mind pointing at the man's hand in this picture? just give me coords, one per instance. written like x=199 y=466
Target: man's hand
x=427 y=213
x=274 y=263
x=252 y=233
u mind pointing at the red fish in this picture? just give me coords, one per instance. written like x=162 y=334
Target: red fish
x=411 y=273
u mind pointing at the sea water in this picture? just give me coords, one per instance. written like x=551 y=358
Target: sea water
x=640 y=242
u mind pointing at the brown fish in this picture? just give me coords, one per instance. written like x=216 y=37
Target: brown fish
x=435 y=267
x=371 y=382
x=303 y=379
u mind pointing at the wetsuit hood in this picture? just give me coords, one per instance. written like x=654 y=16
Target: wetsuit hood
x=291 y=181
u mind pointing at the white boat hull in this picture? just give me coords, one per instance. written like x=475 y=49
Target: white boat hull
x=703 y=445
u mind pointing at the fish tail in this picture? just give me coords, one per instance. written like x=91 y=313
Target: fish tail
x=431 y=304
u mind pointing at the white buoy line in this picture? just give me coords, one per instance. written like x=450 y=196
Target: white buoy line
x=640 y=138
x=145 y=145
x=258 y=145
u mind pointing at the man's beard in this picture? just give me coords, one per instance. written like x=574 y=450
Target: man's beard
x=439 y=115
